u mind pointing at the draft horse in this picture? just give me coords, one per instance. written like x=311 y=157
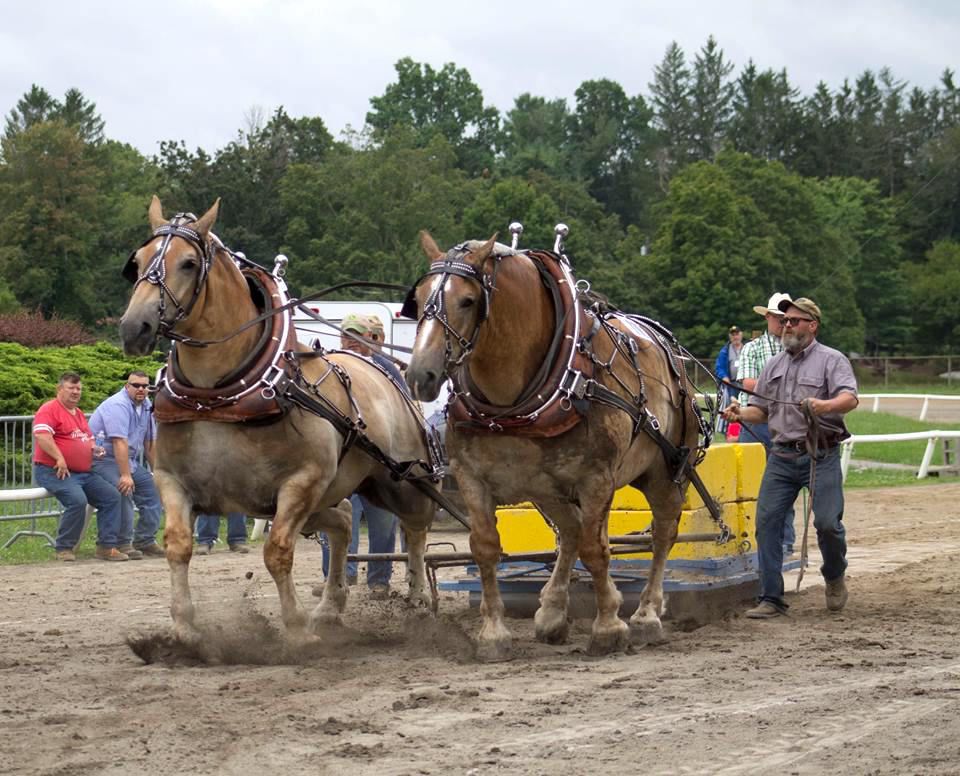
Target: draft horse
x=556 y=402
x=251 y=421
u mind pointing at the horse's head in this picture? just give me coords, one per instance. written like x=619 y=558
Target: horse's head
x=450 y=302
x=168 y=272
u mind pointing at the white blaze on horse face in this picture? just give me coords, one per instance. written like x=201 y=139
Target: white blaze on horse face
x=431 y=323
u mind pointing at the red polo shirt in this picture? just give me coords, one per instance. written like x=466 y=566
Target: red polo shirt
x=70 y=433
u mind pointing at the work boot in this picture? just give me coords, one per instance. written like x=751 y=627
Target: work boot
x=836 y=594
x=130 y=552
x=765 y=610
x=153 y=550
x=239 y=547
x=109 y=553
x=67 y=556
x=203 y=549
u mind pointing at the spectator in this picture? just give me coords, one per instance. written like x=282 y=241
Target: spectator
x=753 y=357
x=811 y=373
x=381 y=524
x=208 y=529
x=725 y=368
x=125 y=421
x=63 y=462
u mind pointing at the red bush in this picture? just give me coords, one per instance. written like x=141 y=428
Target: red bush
x=34 y=331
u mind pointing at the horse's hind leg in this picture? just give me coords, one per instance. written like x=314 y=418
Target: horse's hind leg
x=665 y=500
x=551 y=620
x=337 y=522
x=419 y=592
x=609 y=633
x=178 y=541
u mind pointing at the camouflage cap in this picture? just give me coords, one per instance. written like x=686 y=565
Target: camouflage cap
x=807 y=305
x=374 y=324
x=355 y=322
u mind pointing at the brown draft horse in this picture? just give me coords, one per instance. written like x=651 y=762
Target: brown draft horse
x=294 y=467
x=488 y=321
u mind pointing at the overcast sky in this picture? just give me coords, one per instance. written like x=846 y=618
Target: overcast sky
x=195 y=71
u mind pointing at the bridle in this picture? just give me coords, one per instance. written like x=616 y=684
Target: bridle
x=156 y=272
x=435 y=307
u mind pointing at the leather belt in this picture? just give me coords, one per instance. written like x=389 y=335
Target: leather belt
x=800 y=446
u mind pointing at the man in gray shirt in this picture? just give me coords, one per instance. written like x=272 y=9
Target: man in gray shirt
x=811 y=373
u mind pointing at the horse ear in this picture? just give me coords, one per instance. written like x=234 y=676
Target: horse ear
x=205 y=224
x=155 y=213
x=429 y=245
x=483 y=253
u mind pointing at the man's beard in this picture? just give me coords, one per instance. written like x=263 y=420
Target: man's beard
x=794 y=343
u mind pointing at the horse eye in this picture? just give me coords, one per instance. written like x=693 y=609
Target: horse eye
x=189 y=265
x=467 y=302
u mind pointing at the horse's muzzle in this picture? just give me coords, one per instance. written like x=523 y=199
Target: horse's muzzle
x=137 y=336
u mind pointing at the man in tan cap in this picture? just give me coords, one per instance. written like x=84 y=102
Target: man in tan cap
x=381 y=524
x=806 y=372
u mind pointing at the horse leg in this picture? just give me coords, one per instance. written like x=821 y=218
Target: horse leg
x=178 y=541
x=494 y=640
x=418 y=594
x=666 y=501
x=294 y=504
x=610 y=633
x=551 y=621
x=337 y=524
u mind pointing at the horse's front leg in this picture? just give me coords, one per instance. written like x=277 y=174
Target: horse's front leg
x=494 y=641
x=666 y=501
x=295 y=501
x=610 y=633
x=551 y=620
x=178 y=542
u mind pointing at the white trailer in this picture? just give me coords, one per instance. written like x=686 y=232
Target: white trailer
x=397 y=331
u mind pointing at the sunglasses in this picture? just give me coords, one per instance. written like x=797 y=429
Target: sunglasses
x=789 y=320
x=139 y=386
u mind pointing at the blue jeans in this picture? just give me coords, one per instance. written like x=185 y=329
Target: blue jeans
x=208 y=528
x=382 y=533
x=782 y=481
x=760 y=432
x=145 y=497
x=74 y=493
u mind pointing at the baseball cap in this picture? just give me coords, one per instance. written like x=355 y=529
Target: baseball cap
x=807 y=305
x=734 y=329
x=773 y=306
x=355 y=322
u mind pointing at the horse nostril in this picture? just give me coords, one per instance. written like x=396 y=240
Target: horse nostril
x=431 y=376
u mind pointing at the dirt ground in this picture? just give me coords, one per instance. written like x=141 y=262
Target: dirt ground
x=873 y=690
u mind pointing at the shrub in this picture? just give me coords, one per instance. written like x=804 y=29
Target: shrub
x=35 y=331
x=29 y=375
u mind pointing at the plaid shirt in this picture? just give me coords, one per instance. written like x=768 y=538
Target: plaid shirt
x=754 y=355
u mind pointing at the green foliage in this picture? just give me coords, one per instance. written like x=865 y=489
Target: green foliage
x=29 y=375
x=935 y=291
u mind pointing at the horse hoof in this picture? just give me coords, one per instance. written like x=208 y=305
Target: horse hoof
x=495 y=651
x=609 y=641
x=552 y=629
x=321 y=620
x=187 y=634
x=647 y=632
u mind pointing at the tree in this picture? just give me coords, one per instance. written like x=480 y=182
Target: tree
x=357 y=216
x=445 y=102
x=766 y=115
x=935 y=291
x=710 y=100
x=49 y=191
x=610 y=141
x=37 y=106
x=535 y=137
x=671 y=95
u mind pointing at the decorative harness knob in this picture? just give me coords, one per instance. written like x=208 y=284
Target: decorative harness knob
x=561 y=230
x=280 y=265
x=516 y=229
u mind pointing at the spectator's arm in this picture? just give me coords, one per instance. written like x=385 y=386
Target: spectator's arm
x=45 y=442
x=722 y=364
x=121 y=453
